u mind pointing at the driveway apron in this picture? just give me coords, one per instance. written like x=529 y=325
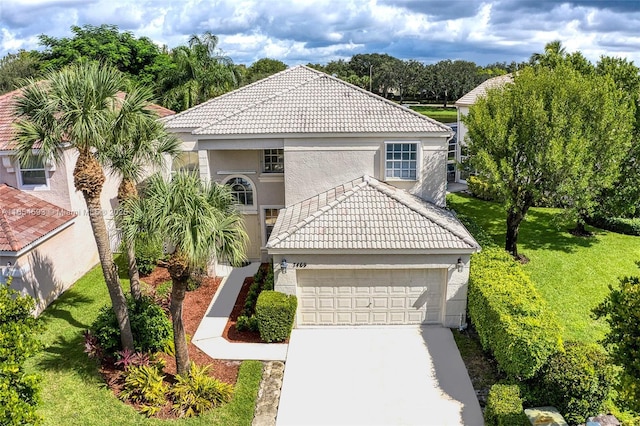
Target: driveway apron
x=376 y=376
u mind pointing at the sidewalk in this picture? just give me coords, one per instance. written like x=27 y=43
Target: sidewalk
x=208 y=336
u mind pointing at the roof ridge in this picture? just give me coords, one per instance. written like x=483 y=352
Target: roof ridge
x=259 y=102
x=386 y=189
x=320 y=211
x=225 y=95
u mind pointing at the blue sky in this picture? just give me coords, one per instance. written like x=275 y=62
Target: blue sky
x=299 y=31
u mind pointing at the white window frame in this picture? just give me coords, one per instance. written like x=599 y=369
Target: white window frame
x=245 y=208
x=175 y=160
x=264 y=160
x=36 y=187
x=263 y=220
x=417 y=160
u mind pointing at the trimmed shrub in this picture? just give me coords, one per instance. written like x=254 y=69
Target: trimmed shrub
x=18 y=342
x=148 y=252
x=150 y=326
x=245 y=323
x=504 y=407
x=268 y=280
x=275 y=312
x=482 y=189
x=576 y=381
x=619 y=225
x=197 y=392
x=510 y=316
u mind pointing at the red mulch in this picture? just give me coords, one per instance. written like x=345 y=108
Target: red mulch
x=195 y=306
x=230 y=333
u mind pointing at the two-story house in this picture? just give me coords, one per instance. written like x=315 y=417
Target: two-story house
x=343 y=190
x=46 y=240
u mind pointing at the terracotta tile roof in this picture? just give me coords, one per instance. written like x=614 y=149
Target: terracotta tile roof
x=7 y=117
x=24 y=219
x=481 y=90
x=301 y=100
x=366 y=214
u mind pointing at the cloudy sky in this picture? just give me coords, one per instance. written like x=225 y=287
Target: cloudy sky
x=303 y=31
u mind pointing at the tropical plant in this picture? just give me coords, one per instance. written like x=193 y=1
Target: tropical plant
x=144 y=385
x=77 y=107
x=200 y=221
x=196 y=392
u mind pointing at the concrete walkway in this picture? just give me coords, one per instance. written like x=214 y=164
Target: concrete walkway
x=208 y=336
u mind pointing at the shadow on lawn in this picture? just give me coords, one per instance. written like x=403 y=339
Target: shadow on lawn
x=67 y=354
x=61 y=309
x=542 y=228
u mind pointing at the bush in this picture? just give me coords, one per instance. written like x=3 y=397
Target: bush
x=275 y=312
x=18 y=342
x=482 y=189
x=511 y=318
x=245 y=323
x=150 y=326
x=576 y=381
x=144 y=385
x=504 y=407
x=251 y=299
x=619 y=225
x=148 y=252
x=268 y=280
x=197 y=392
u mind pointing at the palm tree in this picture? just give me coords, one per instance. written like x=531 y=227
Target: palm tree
x=138 y=141
x=553 y=54
x=199 y=73
x=76 y=107
x=200 y=221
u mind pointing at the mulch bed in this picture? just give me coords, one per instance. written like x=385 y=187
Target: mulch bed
x=230 y=333
x=195 y=306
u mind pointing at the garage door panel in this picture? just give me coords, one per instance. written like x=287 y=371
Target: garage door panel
x=360 y=297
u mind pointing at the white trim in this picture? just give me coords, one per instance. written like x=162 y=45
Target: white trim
x=245 y=208
x=235 y=172
x=271 y=177
x=42 y=187
x=39 y=241
x=418 y=160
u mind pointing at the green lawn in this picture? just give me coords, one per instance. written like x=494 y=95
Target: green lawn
x=72 y=391
x=444 y=115
x=572 y=273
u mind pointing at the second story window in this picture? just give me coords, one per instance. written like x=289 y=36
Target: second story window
x=273 y=161
x=241 y=190
x=401 y=161
x=33 y=173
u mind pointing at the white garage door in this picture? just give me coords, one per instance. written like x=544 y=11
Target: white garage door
x=370 y=297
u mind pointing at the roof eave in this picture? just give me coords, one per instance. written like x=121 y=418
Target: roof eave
x=278 y=250
x=443 y=134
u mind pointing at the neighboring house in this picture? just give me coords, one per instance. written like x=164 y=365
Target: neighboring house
x=343 y=190
x=46 y=241
x=462 y=106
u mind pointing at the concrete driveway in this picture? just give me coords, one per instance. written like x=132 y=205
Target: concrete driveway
x=376 y=376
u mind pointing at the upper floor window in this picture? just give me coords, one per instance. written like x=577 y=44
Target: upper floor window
x=186 y=161
x=33 y=173
x=270 y=217
x=242 y=190
x=273 y=161
x=401 y=161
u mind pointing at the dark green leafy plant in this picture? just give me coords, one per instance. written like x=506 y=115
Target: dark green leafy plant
x=504 y=407
x=198 y=392
x=18 y=342
x=148 y=252
x=275 y=312
x=245 y=323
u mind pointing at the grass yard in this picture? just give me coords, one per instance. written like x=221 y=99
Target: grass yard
x=444 y=115
x=572 y=273
x=73 y=393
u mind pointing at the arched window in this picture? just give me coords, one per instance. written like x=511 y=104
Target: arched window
x=242 y=190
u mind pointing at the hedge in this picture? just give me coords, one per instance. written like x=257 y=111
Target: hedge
x=482 y=189
x=511 y=318
x=275 y=312
x=504 y=407
x=617 y=224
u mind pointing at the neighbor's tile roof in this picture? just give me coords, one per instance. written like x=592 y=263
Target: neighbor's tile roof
x=368 y=214
x=7 y=117
x=24 y=219
x=471 y=97
x=301 y=100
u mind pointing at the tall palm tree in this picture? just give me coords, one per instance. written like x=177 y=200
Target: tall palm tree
x=137 y=143
x=200 y=221
x=198 y=73
x=76 y=107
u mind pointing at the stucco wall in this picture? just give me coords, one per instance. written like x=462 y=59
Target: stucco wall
x=456 y=289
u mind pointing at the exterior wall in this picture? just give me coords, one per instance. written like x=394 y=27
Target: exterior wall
x=462 y=132
x=456 y=287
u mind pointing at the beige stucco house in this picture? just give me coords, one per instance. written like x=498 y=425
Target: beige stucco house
x=343 y=190
x=46 y=241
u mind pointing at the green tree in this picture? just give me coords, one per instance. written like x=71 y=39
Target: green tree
x=200 y=221
x=18 y=342
x=264 y=68
x=78 y=107
x=137 y=143
x=552 y=133
x=139 y=58
x=15 y=68
x=198 y=73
